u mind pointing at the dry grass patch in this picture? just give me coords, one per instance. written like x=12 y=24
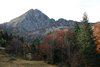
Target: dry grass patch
x=6 y=61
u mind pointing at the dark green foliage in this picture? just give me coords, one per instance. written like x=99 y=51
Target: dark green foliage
x=76 y=33
x=2 y=39
x=22 y=39
x=35 y=45
x=85 y=40
x=36 y=41
x=5 y=38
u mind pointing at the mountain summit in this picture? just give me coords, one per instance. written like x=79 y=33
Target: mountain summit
x=34 y=22
x=31 y=16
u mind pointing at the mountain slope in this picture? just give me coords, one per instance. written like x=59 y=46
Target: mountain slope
x=36 y=23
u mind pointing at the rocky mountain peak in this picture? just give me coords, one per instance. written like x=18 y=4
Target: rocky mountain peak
x=37 y=14
x=33 y=11
x=33 y=23
x=29 y=18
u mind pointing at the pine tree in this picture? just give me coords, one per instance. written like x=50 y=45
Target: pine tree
x=76 y=33
x=87 y=44
x=76 y=40
x=2 y=39
x=35 y=45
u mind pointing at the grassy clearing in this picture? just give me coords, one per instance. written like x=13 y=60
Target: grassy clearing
x=6 y=61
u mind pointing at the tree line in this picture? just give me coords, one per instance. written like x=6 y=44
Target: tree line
x=76 y=48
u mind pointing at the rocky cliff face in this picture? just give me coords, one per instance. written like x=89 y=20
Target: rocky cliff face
x=34 y=23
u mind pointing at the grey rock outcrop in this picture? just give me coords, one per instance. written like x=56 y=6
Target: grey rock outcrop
x=34 y=23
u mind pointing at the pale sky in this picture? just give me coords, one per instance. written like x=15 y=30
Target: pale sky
x=67 y=9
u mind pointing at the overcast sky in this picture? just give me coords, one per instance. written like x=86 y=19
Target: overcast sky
x=68 y=9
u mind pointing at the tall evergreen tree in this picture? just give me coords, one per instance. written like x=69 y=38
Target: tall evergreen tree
x=76 y=35
x=87 y=43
